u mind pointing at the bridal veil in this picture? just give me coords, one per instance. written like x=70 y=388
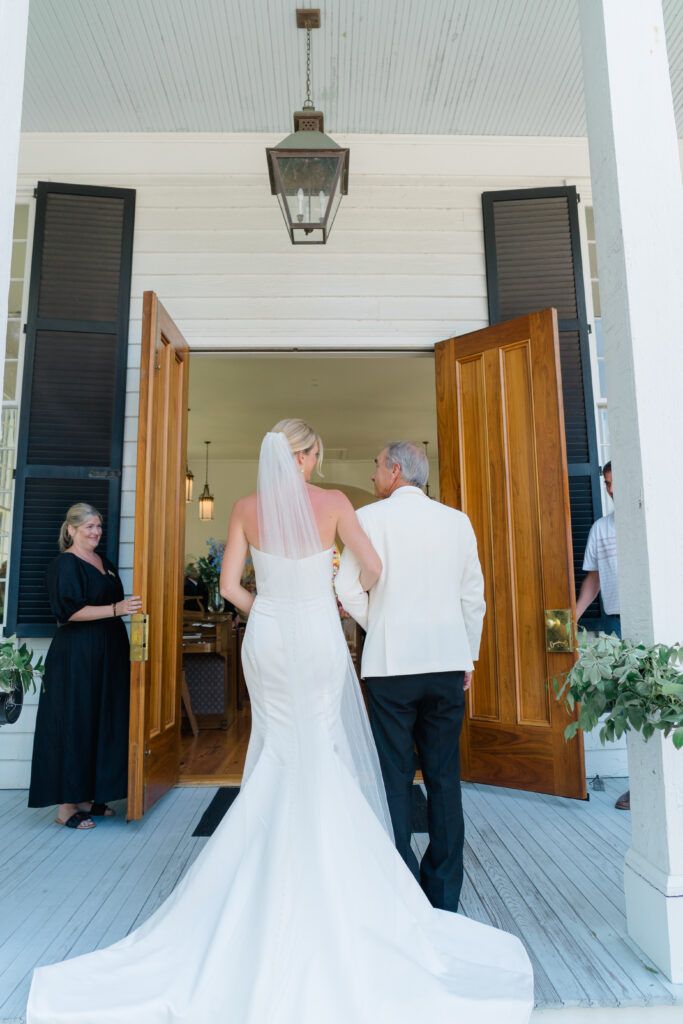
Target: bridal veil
x=288 y=530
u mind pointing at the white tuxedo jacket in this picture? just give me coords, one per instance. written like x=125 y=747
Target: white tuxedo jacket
x=426 y=611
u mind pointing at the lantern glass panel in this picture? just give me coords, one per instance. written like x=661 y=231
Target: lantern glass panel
x=206 y=508
x=336 y=200
x=304 y=179
x=309 y=201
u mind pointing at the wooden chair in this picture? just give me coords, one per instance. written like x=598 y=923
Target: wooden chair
x=214 y=639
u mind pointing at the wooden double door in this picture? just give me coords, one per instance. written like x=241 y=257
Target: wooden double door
x=502 y=460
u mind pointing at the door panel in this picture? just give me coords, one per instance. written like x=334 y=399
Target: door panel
x=158 y=562
x=502 y=460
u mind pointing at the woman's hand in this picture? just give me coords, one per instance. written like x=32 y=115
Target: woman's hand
x=129 y=606
x=90 y=612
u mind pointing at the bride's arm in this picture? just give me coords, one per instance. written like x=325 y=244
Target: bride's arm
x=356 y=539
x=234 y=557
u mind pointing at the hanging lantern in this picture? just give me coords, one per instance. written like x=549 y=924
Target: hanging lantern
x=309 y=172
x=189 y=475
x=206 y=497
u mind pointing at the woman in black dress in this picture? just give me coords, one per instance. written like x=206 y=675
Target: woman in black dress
x=80 y=748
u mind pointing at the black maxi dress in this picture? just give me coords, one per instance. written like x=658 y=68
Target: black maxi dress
x=80 y=748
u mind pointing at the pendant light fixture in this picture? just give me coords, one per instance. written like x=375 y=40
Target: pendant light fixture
x=309 y=172
x=206 y=497
x=189 y=475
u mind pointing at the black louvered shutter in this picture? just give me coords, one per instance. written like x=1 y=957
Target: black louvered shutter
x=533 y=261
x=70 y=444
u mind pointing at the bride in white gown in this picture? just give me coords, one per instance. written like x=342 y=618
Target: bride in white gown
x=298 y=910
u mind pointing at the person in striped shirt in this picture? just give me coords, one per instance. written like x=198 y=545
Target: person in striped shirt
x=600 y=566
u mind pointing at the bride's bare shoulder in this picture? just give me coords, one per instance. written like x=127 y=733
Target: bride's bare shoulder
x=245 y=507
x=328 y=498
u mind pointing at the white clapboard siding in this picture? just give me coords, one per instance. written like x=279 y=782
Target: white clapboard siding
x=275 y=286
x=309 y=263
x=366 y=308
x=349 y=220
x=404 y=267
x=275 y=239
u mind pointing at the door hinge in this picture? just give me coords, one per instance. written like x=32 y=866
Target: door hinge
x=590 y=329
x=139 y=637
x=25 y=325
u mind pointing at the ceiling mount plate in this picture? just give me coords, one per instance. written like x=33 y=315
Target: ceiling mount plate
x=308 y=17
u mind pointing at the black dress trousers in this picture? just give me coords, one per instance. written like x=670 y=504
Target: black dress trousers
x=424 y=711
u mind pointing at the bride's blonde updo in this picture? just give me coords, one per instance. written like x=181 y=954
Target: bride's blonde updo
x=301 y=438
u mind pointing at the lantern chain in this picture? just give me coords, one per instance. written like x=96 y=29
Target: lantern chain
x=308 y=102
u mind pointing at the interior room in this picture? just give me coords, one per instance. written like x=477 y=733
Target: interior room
x=357 y=402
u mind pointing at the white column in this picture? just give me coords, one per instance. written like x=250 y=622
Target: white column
x=13 y=29
x=636 y=177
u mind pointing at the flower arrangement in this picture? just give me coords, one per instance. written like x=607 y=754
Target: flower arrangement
x=208 y=567
x=638 y=687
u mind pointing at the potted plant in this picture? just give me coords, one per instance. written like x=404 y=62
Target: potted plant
x=634 y=686
x=17 y=674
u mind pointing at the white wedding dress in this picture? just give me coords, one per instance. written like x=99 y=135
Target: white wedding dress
x=298 y=909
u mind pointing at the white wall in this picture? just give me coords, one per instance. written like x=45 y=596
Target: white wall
x=404 y=267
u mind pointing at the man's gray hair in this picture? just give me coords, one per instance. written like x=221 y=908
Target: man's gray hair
x=412 y=460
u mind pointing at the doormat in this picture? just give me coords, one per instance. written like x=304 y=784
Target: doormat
x=213 y=815
x=224 y=798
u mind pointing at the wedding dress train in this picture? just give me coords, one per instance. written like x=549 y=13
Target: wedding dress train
x=298 y=910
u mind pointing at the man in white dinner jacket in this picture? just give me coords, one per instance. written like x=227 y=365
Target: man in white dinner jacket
x=424 y=619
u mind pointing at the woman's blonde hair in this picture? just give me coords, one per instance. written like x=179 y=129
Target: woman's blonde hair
x=75 y=517
x=301 y=438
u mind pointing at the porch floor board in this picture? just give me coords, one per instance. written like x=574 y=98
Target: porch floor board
x=547 y=869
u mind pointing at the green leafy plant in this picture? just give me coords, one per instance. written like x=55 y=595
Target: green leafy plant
x=208 y=567
x=16 y=666
x=637 y=687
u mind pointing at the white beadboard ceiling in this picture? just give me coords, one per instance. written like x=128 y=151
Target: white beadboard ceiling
x=470 y=67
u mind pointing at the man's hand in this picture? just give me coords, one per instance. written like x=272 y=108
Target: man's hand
x=468 y=681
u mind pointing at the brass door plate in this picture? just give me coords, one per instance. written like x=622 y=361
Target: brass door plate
x=139 y=633
x=559 y=631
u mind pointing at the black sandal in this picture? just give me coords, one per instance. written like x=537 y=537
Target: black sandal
x=78 y=820
x=101 y=811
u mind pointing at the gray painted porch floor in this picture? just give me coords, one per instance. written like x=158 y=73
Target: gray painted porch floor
x=547 y=869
